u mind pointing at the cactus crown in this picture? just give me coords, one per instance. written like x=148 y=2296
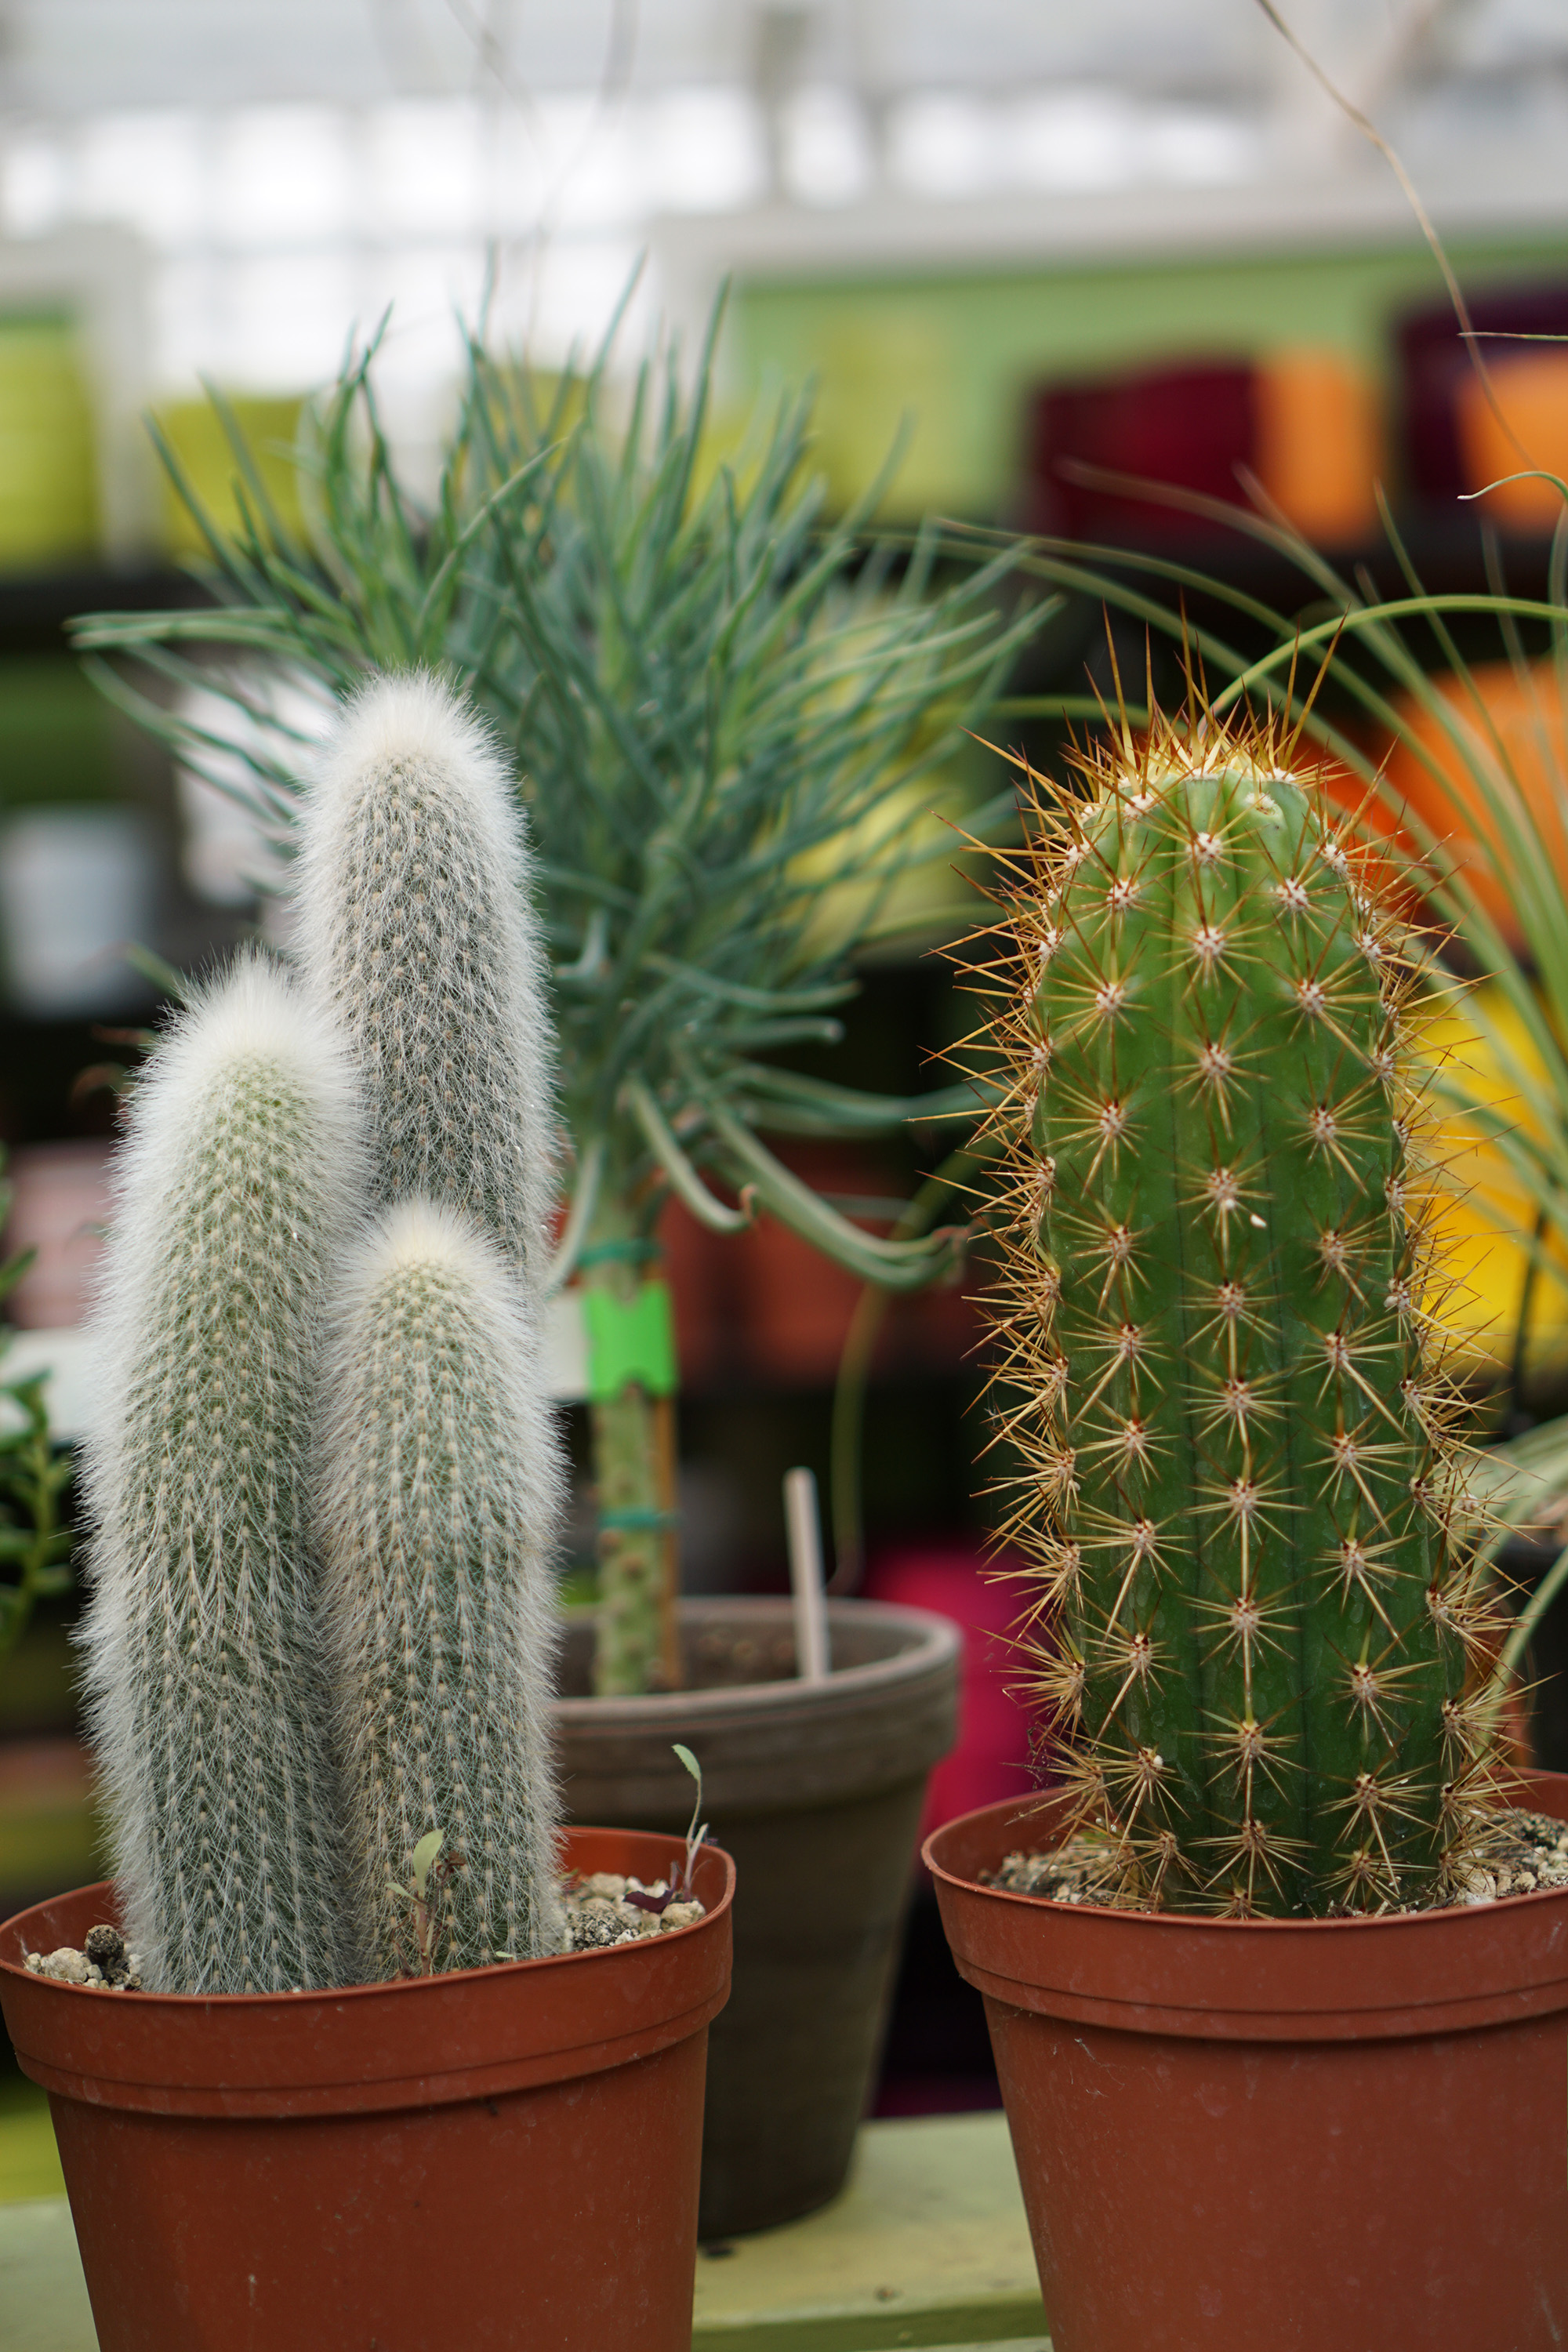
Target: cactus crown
x=1218 y=1345
x=414 y=924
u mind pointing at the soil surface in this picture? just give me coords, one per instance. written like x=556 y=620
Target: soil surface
x=1509 y=1852
x=599 y=1911
x=606 y=1909
x=103 y=1962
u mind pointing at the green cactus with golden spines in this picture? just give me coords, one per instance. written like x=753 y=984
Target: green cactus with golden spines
x=1235 y=1472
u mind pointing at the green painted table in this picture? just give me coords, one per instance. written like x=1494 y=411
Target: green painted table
x=926 y=2247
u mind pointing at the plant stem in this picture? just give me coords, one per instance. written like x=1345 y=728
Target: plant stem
x=634 y=1463
x=638 y=1564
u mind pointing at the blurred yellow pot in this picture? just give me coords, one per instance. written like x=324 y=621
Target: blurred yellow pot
x=1486 y=1219
x=194 y=432
x=863 y=892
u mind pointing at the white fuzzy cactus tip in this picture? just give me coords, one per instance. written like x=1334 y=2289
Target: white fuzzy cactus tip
x=413 y=923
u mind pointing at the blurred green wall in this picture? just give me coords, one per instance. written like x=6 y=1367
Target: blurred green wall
x=961 y=350
x=56 y=734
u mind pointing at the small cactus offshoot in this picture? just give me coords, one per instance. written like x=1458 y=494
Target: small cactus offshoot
x=438 y=1497
x=1220 y=1359
x=238 y=1184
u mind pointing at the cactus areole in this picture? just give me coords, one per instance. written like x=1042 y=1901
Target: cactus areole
x=1220 y=1359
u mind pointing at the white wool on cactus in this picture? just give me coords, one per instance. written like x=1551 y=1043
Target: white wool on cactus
x=439 y=1492
x=415 y=925
x=238 y=1186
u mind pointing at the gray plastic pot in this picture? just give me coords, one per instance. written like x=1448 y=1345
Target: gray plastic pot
x=816 y=1790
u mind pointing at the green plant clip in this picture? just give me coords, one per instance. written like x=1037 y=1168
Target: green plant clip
x=631 y=1342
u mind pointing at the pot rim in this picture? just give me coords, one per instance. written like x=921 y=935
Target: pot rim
x=935 y=1643
x=463 y=2035
x=1168 y=1922
x=401 y=1986
x=1165 y=1973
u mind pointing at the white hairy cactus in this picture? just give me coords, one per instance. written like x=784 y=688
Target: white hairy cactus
x=238 y=1183
x=436 y=1503
x=414 y=924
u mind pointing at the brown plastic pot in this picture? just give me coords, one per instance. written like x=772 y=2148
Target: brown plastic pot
x=1349 y=2135
x=816 y=1789
x=497 y=2157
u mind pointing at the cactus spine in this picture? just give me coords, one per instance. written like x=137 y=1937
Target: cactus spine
x=414 y=926
x=437 y=1504
x=1237 y=1476
x=237 y=1184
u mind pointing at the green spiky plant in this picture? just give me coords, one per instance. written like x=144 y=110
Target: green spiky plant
x=240 y=1184
x=33 y=1547
x=1237 y=1479
x=704 y=684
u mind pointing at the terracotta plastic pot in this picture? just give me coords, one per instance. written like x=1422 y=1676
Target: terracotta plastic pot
x=816 y=1789
x=1345 y=2133
x=497 y=2157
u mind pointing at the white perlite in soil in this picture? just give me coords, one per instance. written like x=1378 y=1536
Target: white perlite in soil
x=605 y=1909
x=104 y=1961
x=1509 y=1852
x=599 y=1911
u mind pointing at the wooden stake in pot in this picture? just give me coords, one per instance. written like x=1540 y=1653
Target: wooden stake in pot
x=803 y=1521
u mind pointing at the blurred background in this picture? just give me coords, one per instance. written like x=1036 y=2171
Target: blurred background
x=1031 y=237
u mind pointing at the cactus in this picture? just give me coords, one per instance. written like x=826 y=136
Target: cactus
x=414 y=924
x=221 y=1678
x=439 y=1493
x=238 y=1182
x=1221 y=1366
x=437 y=1502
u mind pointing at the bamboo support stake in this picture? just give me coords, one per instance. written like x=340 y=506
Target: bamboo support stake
x=805 y=1529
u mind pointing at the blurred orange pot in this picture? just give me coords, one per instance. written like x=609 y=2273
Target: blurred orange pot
x=1531 y=388
x=1511 y=723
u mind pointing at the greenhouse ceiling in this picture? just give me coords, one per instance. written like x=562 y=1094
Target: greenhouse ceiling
x=291 y=167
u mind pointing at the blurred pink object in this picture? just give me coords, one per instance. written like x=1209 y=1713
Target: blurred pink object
x=992 y=1757
x=59 y=1201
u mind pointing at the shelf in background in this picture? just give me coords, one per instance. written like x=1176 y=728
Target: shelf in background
x=36 y=607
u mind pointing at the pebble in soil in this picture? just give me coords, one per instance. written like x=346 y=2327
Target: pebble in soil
x=1510 y=1850
x=104 y=1960
x=605 y=1909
